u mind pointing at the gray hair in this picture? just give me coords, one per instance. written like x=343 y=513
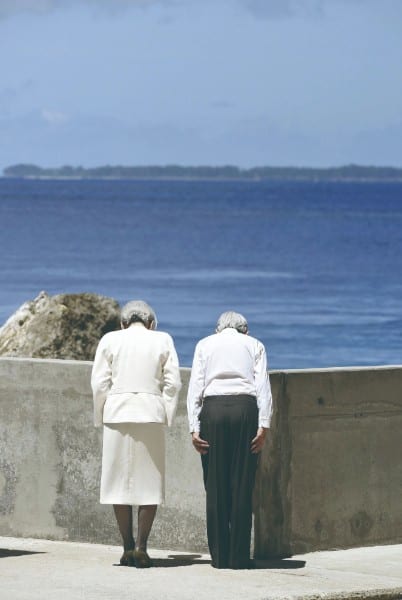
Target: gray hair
x=232 y=319
x=138 y=311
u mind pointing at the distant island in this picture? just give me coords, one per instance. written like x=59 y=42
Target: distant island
x=344 y=173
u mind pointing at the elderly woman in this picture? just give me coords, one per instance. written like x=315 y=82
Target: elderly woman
x=135 y=382
x=229 y=409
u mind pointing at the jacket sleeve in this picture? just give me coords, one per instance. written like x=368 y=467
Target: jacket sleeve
x=171 y=381
x=263 y=387
x=101 y=380
x=195 y=391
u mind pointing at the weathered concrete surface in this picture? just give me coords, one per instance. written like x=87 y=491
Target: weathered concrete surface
x=40 y=570
x=50 y=461
x=66 y=326
x=331 y=474
x=329 y=477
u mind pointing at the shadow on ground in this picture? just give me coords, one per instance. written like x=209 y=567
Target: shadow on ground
x=5 y=553
x=182 y=560
x=178 y=560
x=186 y=560
x=279 y=564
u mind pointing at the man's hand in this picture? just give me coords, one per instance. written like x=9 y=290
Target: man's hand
x=258 y=442
x=199 y=444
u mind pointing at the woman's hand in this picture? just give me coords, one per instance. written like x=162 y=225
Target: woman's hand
x=199 y=444
x=257 y=443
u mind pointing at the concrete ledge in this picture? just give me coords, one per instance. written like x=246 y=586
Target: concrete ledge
x=393 y=594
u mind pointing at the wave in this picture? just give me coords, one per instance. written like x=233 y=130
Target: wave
x=215 y=274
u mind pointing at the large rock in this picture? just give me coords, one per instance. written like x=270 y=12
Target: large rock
x=65 y=326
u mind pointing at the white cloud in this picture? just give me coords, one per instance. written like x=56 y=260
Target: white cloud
x=278 y=9
x=53 y=117
x=9 y=8
x=268 y=9
x=287 y=9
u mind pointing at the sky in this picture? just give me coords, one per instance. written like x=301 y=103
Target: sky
x=201 y=82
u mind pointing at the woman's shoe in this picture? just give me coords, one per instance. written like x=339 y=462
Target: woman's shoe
x=127 y=559
x=142 y=559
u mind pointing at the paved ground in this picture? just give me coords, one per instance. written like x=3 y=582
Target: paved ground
x=40 y=569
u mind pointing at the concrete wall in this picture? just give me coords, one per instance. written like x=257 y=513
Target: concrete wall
x=50 y=461
x=330 y=474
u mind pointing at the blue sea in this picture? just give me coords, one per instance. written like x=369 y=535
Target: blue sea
x=315 y=267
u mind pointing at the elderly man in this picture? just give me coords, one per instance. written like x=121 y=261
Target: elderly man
x=135 y=382
x=229 y=409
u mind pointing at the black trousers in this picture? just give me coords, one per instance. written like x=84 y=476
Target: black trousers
x=229 y=423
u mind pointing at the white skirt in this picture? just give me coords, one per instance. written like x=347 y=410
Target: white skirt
x=133 y=464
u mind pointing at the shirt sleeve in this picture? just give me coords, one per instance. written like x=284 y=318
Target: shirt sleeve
x=195 y=391
x=101 y=380
x=171 y=381
x=263 y=388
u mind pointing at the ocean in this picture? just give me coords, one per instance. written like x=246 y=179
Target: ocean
x=316 y=267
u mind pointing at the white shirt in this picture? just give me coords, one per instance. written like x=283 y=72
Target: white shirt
x=135 y=377
x=229 y=363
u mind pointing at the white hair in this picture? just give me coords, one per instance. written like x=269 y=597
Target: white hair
x=138 y=311
x=232 y=319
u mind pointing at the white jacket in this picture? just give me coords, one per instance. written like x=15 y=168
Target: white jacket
x=135 y=377
x=229 y=363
